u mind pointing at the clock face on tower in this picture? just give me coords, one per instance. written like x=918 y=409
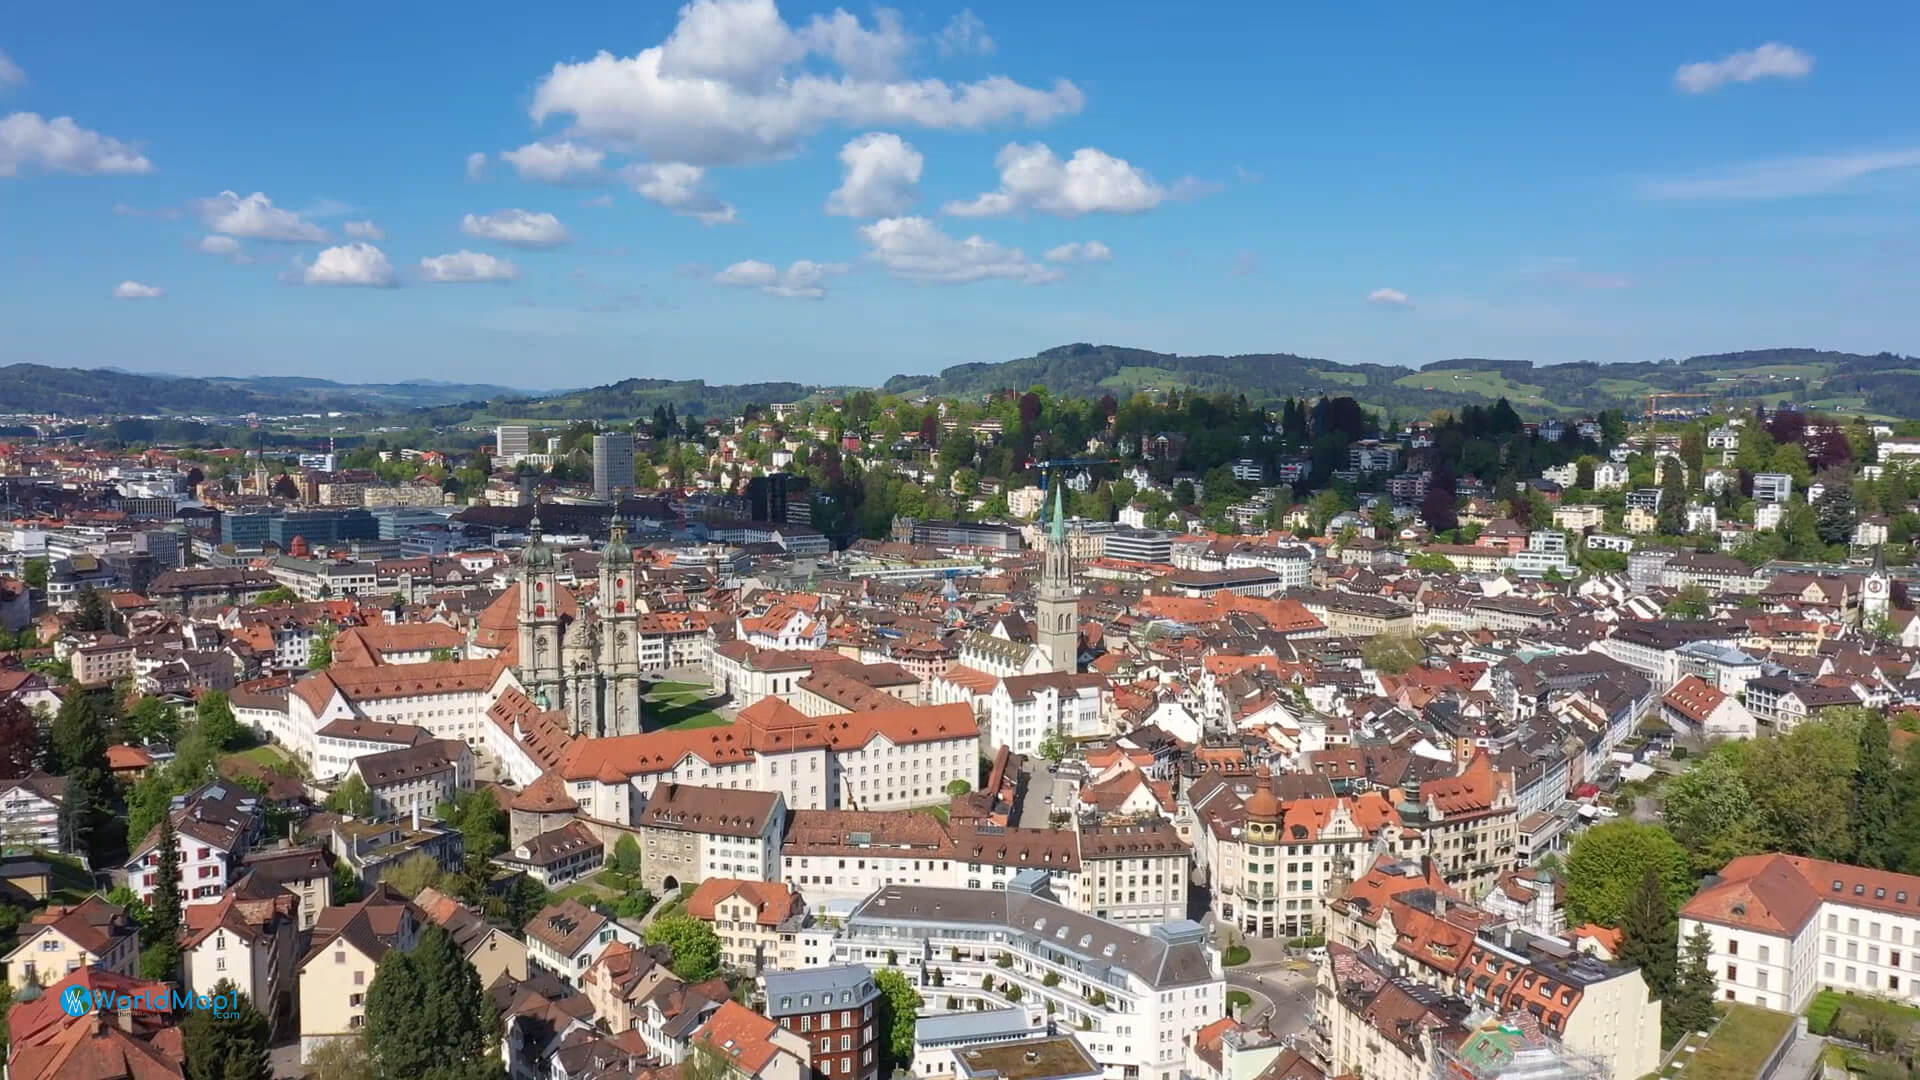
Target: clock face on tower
x=1875 y=586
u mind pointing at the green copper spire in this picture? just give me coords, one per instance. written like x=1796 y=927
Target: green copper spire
x=1057 y=530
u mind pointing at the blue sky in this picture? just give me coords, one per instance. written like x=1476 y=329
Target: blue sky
x=735 y=192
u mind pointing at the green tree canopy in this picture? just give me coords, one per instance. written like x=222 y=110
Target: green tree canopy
x=351 y=797
x=696 y=948
x=426 y=1014
x=899 y=1011
x=1608 y=862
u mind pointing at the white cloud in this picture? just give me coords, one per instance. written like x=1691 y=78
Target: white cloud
x=1784 y=178
x=350 y=264
x=1770 y=61
x=1032 y=178
x=560 y=162
x=364 y=230
x=256 y=218
x=880 y=175
x=476 y=165
x=520 y=228
x=30 y=143
x=1089 y=251
x=862 y=53
x=10 y=73
x=467 y=266
x=677 y=187
x=133 y=290
x=915 y=249
x=802 y=280
x=729 y=86
x=965 y=35
x=219 y=245
x=1389 y=298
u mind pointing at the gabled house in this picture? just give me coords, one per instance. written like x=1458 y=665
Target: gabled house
x=65 y=938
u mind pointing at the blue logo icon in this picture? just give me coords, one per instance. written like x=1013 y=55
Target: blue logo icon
x=75 y=1000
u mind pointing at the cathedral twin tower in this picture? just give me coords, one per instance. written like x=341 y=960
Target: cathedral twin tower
x=585 y=661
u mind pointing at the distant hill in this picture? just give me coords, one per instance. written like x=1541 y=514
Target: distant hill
x=1885 y=384
x=37 y=388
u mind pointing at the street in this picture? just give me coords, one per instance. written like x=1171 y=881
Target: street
x=1282 y=996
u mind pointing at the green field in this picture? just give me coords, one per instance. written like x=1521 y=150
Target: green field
x=1344 y=378
x=679 y=707
x=1490 y=383
x=1143 y=378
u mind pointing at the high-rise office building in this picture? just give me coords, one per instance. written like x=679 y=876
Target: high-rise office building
x=612 y=463
x=511 y=442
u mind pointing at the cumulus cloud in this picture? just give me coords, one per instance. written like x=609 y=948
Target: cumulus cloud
x=731 y=84
x=476 y=165
x=256 y=218
x=965 y=35
x=133 y=290
x=31 y=143
x=1032 y=178
x=1770 y=61
x=10 y=73
x=1080 y=252
x=915 y=249
x=464 y=266
x=520 y=228
x=1389 y=298
x=218 y=244
x=364 y=230
x=678 y=187
x=801 y=280
x=350 y=264
x=1784 y=178
x=880 y=175
x=562 y=162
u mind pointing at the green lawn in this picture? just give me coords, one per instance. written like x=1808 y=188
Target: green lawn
x=1739 y=1046
x=266 y=755
x=938 y=810
x=588 y=892
x=679 y=707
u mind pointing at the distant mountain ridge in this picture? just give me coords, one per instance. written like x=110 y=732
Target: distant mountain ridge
x=38 y=388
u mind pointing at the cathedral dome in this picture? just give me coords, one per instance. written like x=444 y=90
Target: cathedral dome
x=538 y=555
x=617 y=553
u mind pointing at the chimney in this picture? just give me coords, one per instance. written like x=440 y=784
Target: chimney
x=416 y=817
x=123 y=1015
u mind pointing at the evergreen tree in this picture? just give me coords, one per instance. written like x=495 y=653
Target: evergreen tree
x=90 y=612
x=1673 y=497
x=1871 y=811
x=229 y=1043
x=160 y=934
x=85 y=809
x=1690 y=1006
x=426 y=1014
x=1834 y=514
x=1650 y=936
x=78 y=735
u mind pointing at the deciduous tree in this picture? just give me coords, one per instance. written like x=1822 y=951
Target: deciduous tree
x=1608 y=863
x=696 y=948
